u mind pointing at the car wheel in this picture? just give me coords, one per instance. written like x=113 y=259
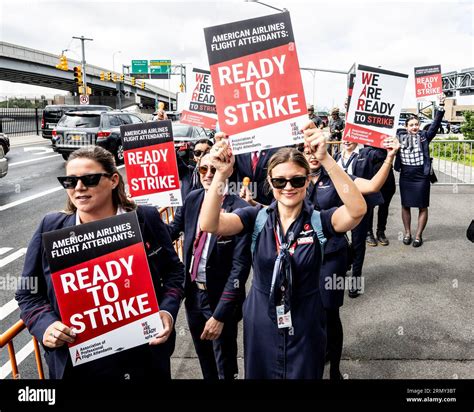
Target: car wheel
x=119 y=154
x=65 y=155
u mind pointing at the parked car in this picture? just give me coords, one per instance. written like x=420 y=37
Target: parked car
x=185 y=137
x=84 y=128
x=456 y=128
x=324 y=116
x=3 y=163
x=53 y=113
x=4 y=143
x=173 y=116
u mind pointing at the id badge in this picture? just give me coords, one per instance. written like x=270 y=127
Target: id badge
x=283 y=319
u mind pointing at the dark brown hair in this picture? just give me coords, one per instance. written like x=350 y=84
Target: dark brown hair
x=288 y=154
x=412 y=117
x=107 y=161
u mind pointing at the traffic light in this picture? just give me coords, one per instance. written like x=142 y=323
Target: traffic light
x=115 y=77
x=78 y=75
x=102 y=76
x=143 y=85
x=181 y=87
x=133 y=81
x=122 y=77
x=108 y=76
x=62 y=65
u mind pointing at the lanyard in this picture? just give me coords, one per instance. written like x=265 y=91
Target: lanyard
x=345 y=166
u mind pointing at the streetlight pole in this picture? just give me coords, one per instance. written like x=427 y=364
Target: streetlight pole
x=113 y=58
x=267 y=5
x=84 y=77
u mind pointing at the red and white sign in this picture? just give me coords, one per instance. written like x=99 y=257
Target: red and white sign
x=200 y=101
x=103 y=286
x=84 y=99
x=428 y=82
x=150 y=162
x=257 y=82
x=375 y=105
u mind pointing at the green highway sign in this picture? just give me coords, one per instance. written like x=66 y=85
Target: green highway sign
x=160 y=69
x=140 y=69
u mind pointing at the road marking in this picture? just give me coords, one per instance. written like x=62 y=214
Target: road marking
x=33 y=197
x=4 y=250
x=29 y=198
x=10 y=258
x=24 y=352
x=7 y=309
x=32 y=160
x=42 y=150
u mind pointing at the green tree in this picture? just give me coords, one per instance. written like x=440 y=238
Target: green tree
x=467 y=129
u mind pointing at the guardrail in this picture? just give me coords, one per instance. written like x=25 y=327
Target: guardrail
x=18 y=121
x=6 y=338
x=453 y=161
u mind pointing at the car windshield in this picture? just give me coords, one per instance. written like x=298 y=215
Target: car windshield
x=80 y=121
x=181 y=130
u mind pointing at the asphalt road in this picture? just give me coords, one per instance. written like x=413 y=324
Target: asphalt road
x=415 y=319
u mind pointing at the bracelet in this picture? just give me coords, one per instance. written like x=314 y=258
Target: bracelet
x=332 y=167
x=389 y=163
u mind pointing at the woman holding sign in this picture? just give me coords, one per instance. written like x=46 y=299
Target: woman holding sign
x=96 y=191
x=284 y=319
x=414 y=164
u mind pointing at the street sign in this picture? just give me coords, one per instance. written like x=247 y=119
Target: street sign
x=160 y=69
x=84 y=99
x=140 y=69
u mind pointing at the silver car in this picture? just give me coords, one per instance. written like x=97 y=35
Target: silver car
x=3 y=163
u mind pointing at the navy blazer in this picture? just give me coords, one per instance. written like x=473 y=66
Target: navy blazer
x=39 y=310
x=243 y=168
x=426 y=136
x=228 y=259
x=364 y=166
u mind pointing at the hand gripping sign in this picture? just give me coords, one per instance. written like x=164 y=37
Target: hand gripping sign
x=257 y=82
x=103 y=286
x=375 y=105
x=150 y=162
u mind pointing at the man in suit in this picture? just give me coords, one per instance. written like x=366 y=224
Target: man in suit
x=216 y=271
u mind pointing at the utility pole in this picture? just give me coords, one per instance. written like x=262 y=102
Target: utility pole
x=84 y=76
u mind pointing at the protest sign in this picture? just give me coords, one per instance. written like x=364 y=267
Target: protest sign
x=150 y=162
x=103 y=286
x=257 y=82
x=375 y=105
x=200 y=101
x=428 y=82
x=350 y=87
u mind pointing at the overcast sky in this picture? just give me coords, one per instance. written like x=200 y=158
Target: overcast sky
x=330 y=35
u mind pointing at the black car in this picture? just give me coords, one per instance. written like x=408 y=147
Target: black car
x=82 y=129
x=52 y=114
x=4 y=143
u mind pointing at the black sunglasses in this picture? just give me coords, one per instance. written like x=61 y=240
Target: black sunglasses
x=90 y=180
x=198 y=153
x=295 y=182
x=203 y=170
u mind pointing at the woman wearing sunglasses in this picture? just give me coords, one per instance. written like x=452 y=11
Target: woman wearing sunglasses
x=323 y=195
x=284 y=319
x=95 y=191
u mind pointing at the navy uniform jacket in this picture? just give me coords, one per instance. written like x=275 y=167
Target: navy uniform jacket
x=323 y=196
x=39 y=310
x=270 y=352
x=364 y=166
x=426 y=136
x=243 y=168
x=228 y=260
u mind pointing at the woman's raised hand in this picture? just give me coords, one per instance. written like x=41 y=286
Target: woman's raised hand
x=392 y=145
x=222 y=158
x=315 y=140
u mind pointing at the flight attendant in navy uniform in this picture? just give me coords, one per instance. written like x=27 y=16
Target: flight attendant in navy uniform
x=414 y=164
x=323 y=195
x=216 y=272
x=286 y=260
x=359 y=162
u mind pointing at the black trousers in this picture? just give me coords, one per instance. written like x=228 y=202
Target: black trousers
x=387 y=191
x=335 y=341
x=218 y=358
